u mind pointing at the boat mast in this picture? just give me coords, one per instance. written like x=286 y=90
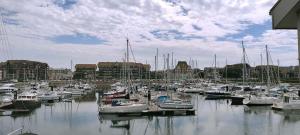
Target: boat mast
x=244 y=63
x=278 y=72
x=127 y=61
x=155 y=67
x=215 y=69
x=226 y=72
x=261 y=68
x=168 y=67
x=268 y=74
x=156 y=64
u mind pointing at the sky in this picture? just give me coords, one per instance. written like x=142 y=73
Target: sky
x=90 y=31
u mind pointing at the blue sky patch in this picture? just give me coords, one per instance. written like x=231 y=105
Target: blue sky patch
x=77 y=39
x=255 y=30
x=10 y=21
x=65 y=4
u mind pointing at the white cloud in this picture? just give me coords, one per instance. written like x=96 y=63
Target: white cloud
x=114 y=20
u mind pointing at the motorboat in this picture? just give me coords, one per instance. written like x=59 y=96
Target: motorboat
x=49 y=96
x=175 y=104
x=191 y=90
x=7 y=88
x=27 y=100
x=6 y=98
x=165 y=102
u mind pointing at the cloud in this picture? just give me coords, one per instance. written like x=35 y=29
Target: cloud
x=194 y=29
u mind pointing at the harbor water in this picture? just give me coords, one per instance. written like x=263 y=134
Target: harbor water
x=212 y=117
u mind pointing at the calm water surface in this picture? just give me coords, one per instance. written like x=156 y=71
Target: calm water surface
x=212 y=118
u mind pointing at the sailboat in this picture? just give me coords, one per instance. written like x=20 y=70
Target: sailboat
x=217 y=91
x=123 y=106
x=237 y=98
x=262 y=99
x=290 y=101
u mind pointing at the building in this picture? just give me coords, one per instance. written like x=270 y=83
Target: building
x=286 y=15
x=183 y=70
x=85 y=71
x=1 y=75
x=60 y=74
x=23 y=70
x=117 y=70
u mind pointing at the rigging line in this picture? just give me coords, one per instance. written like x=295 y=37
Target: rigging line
x=3 y=43
x=5 y=38
x=273 y=73
x=132 y=52
x=8 y=43
x=2 y=40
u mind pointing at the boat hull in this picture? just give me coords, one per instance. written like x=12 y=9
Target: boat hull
x=259 y=102
x=236 y=100
x=286 y=106
x=217 y=96
x=175 y=106
x=26 y=104
x=127 y=109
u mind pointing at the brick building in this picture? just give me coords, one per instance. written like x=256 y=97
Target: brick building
x=85 y=71
x=23 y=70
x=116 y=70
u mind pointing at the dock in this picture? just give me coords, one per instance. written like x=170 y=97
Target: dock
x=154 y=110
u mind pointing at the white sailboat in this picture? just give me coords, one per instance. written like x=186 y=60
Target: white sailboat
x=124 y=106
x=262 y=99
x=290 y=101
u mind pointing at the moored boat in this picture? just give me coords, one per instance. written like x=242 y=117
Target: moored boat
x=290 y=101
x=123 y=108
x=259 y=100
x=27 y=100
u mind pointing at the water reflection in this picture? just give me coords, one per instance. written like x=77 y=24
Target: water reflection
x=212 y=117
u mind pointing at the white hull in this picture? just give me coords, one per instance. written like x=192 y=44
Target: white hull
x=133 y=108
x=259 y=101
x=293 y=105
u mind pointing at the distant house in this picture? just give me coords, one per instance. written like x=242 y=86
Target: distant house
x=182 y=70
x=85 y=71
